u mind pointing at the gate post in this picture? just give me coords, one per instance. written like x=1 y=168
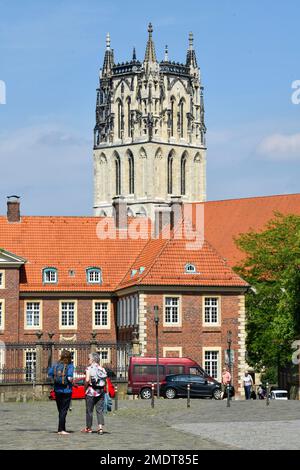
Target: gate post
x=39 y=362
x=93 y=342
x=135 y=342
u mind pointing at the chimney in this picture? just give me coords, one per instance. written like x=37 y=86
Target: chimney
x=13 y=209
x=120 y=212
x=161 y=218
x=176 y=211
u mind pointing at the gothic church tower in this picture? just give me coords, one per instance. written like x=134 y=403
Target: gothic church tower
x=149 y=137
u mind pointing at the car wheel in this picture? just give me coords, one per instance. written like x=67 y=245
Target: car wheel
x=146 y=393
x=217 y=394
x=170 y=393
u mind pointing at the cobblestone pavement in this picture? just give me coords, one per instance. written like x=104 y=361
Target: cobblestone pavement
x=170 y=425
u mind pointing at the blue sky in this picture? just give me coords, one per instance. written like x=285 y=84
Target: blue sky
x=50 y=55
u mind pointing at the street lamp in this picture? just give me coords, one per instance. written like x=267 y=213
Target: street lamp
x=229 y=341
x=156 y=319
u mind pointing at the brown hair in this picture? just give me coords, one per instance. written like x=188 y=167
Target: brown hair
x=65 y=357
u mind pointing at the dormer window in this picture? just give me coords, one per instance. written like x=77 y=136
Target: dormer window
x=94 y=276
x=50 y=276
x=190 y=268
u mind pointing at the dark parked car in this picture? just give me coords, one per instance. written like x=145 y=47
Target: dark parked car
x=176 y=386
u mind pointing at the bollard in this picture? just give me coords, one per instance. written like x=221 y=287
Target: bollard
x=228 y=395
x=116 y=398
x=268 y=392
x=188 y=404
x=152 y=395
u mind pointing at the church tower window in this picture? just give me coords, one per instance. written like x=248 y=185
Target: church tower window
x=170 y=173
x=120 y=119
x=181 y=110
x=118 y=174
x=128 y=118
x=131 y=173
x=172 y=115
x=183 y=175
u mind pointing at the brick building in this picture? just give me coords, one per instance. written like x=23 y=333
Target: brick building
x=93 y=282
x=59 y=280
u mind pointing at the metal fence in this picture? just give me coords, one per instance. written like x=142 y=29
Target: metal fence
x=29 y=362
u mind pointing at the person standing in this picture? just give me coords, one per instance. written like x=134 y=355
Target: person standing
x=95 y=381
x=248 y=384
x=226 y=379
x=62 y=373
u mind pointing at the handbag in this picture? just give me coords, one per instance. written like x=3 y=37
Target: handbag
x=107 y=403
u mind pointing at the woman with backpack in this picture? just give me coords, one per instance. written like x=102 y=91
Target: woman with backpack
x=95 y=382
x=62 y=373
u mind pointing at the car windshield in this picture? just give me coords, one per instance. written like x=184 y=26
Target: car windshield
x=280 y=394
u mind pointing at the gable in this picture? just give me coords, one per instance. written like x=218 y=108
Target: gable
x=8 y=259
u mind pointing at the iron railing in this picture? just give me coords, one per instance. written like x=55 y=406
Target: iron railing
x=29 y=362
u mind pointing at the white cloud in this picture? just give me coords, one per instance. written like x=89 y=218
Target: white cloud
x=50 y=167
x=281 y=147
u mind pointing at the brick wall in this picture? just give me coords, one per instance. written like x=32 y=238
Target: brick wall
x=50 y=320
x=10 y=294
x=192 y=336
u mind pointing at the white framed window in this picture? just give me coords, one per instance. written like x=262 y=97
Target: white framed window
x=211 y=311
x=94 y=276
x=50 y=276
x=68 y=315
x=2 y=279
x=212 y=358
x=190 y=268
x=2 y=314
x=105 y=356
x=30 y=364
x=2 y=360
x=172 y=311
x=33 y=315
x=101 y=314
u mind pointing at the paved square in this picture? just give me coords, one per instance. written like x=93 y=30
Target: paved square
x=208 y=424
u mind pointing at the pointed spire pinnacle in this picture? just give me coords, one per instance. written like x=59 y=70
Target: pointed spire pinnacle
x=134 y=55
x=108 y=42
x=191 y=60
x=150 y=49
x=108 y=58
x=166 y=59
x=191 y=41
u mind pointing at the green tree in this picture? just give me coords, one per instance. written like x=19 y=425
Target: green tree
x=272 y=267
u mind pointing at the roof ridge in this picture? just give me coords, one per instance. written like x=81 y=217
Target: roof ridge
x=167 y=242
x=222 y=258
x=247 y=198
x=146 y=272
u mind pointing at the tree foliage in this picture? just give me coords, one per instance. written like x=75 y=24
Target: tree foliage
x=272 y=268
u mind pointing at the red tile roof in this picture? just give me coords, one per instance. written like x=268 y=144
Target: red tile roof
x=164 y=263
x=71 y=243
x=67 y=243
x=227 y=219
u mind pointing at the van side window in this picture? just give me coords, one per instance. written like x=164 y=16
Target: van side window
x=195 y=371
x=143 y=370
x=175 y=370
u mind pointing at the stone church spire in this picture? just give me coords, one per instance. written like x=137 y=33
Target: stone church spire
x=191 y=60
x=150 y=55
x=108 y=59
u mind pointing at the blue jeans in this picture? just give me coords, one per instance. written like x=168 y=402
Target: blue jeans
x=247 y=389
